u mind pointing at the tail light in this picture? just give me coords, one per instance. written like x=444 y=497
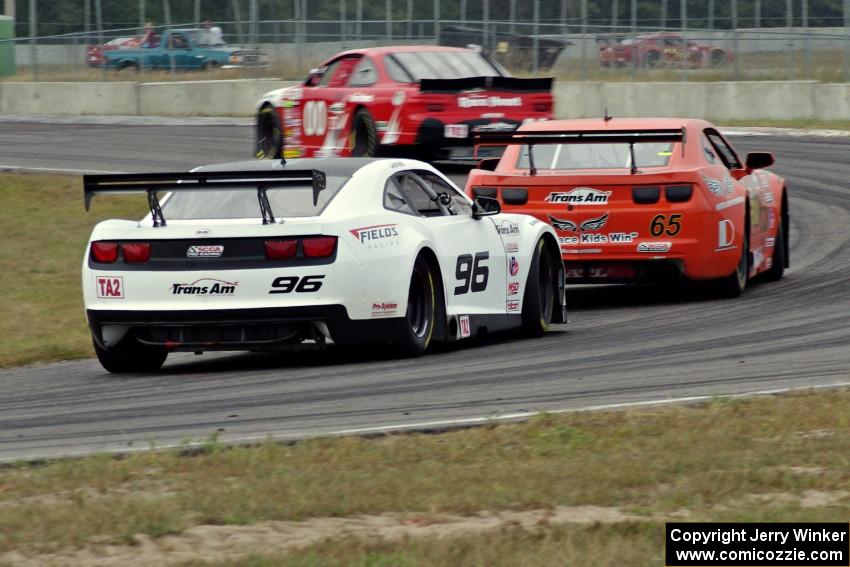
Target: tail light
x=136 y=252
x=281 y=249
x=543 y=106
x=435 y=107
x=515 y=195
x=646 y=195
x=104 y=252
x=678 y=193
x=319 y=246
x=490 y=192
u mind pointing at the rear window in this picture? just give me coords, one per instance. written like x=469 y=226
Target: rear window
x=291 y=201
x=596 y=156
x=445 y=65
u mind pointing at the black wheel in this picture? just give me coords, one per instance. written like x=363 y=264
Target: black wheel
x=652 y=59
x=417 y=327
x=777 y=268
x=541 y=292
x=210 y=66
x=718 y=58
x=735 y=283
x=363 y=140
x=129 y=67
x=269 y=134
x=129 y=355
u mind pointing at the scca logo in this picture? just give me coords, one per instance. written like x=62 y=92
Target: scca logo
x=377 y=232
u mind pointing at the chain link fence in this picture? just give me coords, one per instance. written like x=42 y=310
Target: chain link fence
x=604 y=40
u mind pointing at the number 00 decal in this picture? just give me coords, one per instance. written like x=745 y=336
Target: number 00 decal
x=315 y=118
x=663 y=224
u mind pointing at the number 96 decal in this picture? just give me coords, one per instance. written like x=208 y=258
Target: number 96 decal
x=471 y=273
x=288 y=284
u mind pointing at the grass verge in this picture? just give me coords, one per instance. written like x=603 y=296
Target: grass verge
x=760 y=459
x=45 y=231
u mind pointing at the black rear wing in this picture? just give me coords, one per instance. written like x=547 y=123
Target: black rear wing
x=507 y=84
x=531 y=139
x=153 y=183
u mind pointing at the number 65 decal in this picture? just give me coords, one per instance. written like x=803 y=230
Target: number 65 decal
x=471 y=274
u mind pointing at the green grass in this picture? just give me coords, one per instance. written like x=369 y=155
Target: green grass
x=45 y=230
x=729 y=460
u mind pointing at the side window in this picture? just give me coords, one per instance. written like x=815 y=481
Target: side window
x=395 y=71
x=178 y=41
x=415 y=194
x=394 y=199
x=337 y=72
x=459 y=205
x=364 y=74
x=726 y=153
x=707 y=150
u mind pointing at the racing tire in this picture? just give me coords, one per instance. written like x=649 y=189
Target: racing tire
x=735 y=283
x=416 y=329
x=269 y=134
x=363 y=139
x=130 y=356
x=718 y=58
x=652 y=59
x=210 y=66
x=541 y=291
x=777 y=268
x=128 y=67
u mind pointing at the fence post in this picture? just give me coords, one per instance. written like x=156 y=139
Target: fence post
x=711 y=14
x=462 y=15
x=846 y=41
x=512 y=16
x=789 y=23
x=807 y=47
x=615 y=15
x=683 y=23
x=584 y=40
x=198 y=13
x=342 y=15
x=437 y=21
x=735 y=39
x=535 y=39
x=388 y=17
x=409 y=19
x=633 y=31
x=34 y=41
x=141 y=16
x=485 y=17
x=359 y=16
x=564 y=29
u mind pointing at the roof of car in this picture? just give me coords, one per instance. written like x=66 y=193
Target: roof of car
x=614 y=124
x=404 y=49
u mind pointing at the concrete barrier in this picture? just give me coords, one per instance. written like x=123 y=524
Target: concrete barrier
x=769 y=100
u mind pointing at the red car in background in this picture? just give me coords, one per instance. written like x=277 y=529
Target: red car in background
x=658 y=50
x=422 y=100
x=94 y=53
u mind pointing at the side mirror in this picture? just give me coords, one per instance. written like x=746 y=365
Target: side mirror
x=313 y=77
x=485 y=207
x=489 y=164
x=759 y=160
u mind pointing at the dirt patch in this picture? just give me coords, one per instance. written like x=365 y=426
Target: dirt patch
x=224 y=543
x=807 y=499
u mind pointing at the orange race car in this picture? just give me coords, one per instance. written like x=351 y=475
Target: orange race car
x=644 y=199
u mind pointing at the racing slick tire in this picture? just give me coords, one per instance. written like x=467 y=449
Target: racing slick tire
x=414 y=332
x=652 y=59
x=777 y=268
x=363 y=140
x=129 y=355
x=541 y=290
x=718 y=58
x=735 y=283
x=269 y=134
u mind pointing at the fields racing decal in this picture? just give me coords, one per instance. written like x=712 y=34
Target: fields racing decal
x=205 y=287
x=208 y=251
x=377 y=234
x=579 y=196
x=654 y=247
x=109 y=287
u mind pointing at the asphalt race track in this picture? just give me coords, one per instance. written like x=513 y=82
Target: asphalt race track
x=623 y=344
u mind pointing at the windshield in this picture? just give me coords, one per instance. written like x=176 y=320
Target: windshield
x=288 y=202
x=201 y=37
x=596 y=156
x=445 y=65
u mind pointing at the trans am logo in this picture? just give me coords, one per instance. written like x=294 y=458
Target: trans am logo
x=376 y=232
x=563 y=224
x=507 y=228
x=205 y=286
x=595 y=224
x=580 y=196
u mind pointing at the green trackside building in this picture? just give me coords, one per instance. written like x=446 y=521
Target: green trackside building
x=7 y=47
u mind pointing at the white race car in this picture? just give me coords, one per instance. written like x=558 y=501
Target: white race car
x=261 y=255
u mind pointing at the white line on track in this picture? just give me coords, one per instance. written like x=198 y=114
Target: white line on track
x=14 y=168
x=427 y=426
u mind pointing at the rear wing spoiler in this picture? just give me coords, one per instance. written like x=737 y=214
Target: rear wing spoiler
x=153 y=183
x=630 y=137
x=509 y=84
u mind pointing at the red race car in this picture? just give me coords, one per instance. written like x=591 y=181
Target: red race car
x=94 y=53
x=422 y=100
x=644 y=199
x=660 y=49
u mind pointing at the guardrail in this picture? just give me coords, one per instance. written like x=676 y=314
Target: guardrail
x=743 y=100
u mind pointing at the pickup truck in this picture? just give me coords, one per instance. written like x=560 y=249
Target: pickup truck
x=184 y=50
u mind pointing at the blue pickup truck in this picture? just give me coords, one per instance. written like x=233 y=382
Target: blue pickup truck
x=183 y=50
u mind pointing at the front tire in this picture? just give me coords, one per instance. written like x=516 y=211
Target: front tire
x=269 y=134
x=129 y=355
x=416 y=329
x=363 y=140
x=541 y=292
x=652 y=60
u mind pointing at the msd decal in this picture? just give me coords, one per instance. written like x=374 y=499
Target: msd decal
x=513 y=288
x=580 y=196
x=109 y=287
x=514 y=266
x=206 y=287
x=374 y=233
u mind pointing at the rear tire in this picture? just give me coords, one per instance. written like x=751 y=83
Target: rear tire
x=541 y=292
x=129 y=355
x=777 y=268
x=652 y=59
x=416 y=329
x=718 y=58
x=363 y=140
x=269 y=134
